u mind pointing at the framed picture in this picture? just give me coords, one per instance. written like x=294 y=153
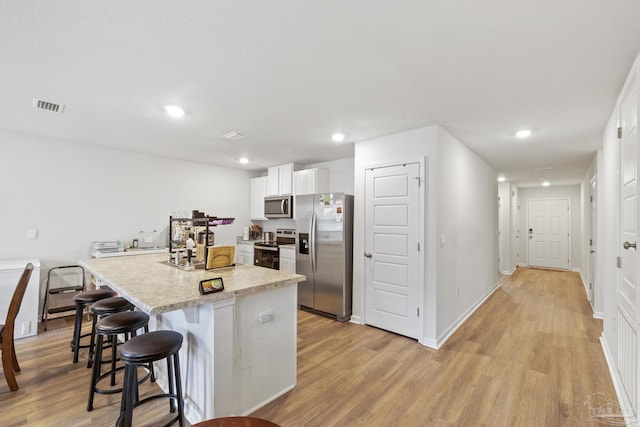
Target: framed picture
x=209 y=286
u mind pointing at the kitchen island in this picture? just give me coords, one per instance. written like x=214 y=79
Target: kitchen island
x=239 y=349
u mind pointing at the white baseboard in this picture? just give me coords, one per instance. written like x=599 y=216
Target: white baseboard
x=439 y=342
x=356 y=319
x=509 y=272
x=598 y=315
x=625 y=405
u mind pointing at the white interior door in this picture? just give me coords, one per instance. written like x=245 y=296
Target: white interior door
x=548 y=233
x=592 y=243
x=392 y=260
x=627 y=328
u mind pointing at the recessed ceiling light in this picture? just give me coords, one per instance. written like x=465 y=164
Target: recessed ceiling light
x=501 y=179
x=524 y=133
x=545 y=183
x=174 y=111
x=243 y=160
x=338 y=137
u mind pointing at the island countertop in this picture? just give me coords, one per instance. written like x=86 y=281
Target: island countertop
x=155 y=287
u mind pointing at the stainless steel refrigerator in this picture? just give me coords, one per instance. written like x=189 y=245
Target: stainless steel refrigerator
x=324 y=253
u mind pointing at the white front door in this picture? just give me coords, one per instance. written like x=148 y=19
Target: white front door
x=548 y=233
x=392 y=254
x=628 y=313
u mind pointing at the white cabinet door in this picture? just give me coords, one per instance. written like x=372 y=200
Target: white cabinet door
x=288 y=265
x=258 y=192
x=280 y=180
x=273 y=181
x=311 y=181
x=244 y=253
x=288 y=259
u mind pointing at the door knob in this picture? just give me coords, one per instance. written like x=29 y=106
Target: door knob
x=628 y=245
x=367 y=254
x=592 y=251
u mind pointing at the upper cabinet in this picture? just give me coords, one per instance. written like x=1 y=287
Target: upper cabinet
x=280 y=180
x=258 y=193
x=311 y=181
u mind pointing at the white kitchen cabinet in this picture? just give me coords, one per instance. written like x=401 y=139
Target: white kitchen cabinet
x=280 y=180
x=288 y=258
x=258 y=193
x=311 y=181
x=244 y=253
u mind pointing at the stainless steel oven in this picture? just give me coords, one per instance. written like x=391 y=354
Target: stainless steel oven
x=267 y=252
x=266 y=255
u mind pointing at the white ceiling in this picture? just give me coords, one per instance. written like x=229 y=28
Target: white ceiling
x=289 y=73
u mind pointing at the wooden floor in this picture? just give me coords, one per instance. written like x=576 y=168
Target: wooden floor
x=530 y=356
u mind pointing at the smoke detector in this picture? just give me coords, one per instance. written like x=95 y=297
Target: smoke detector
x=46 y=105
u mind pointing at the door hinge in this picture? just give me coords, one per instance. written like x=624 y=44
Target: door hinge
x=619 y=132
x=418 y=246
x=619 y=262
x=591 y=199
x=418 y=311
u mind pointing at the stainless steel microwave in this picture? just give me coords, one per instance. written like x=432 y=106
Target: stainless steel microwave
x=278 y=206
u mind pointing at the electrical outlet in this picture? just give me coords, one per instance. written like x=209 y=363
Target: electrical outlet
x=26 y=327
x=266 y=316
x=32 y=234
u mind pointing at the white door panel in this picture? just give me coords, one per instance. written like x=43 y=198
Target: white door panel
x=628 y=321
x=549 y=233
x=392 y=227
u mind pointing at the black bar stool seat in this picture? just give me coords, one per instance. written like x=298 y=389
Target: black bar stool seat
x=149 y=348
x=100 y=309
x=127 y=323
x=81 y=301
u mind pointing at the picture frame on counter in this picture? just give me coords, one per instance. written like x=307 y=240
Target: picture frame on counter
x=210 y=286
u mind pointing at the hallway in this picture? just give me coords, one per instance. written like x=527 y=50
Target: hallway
x=530 y=356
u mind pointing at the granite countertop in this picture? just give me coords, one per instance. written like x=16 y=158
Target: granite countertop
x=156 y=287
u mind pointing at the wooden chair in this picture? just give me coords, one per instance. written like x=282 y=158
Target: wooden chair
x=9 y=360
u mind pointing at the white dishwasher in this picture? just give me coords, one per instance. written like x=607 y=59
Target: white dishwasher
x=10 y=272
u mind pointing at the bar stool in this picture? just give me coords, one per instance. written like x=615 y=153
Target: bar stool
x=82 y=300
x=100 y=309
x=127 y=323
x=236 y=422
x=144 y=349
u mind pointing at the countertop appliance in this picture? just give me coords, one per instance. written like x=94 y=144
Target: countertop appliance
x=278 y=206
x=266 y=253
x=324 y=253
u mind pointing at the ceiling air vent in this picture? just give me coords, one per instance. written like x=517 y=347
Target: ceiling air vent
x=233 y=136
x=46 y=105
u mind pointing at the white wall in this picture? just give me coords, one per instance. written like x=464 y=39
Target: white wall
x=504 y=227
x=74 y=194
x=341 y=178
x=571 y=192
x=467 y=265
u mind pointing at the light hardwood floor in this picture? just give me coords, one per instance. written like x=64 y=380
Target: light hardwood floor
x=530 y=356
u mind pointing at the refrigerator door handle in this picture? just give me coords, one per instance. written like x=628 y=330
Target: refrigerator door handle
x=312 y=242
